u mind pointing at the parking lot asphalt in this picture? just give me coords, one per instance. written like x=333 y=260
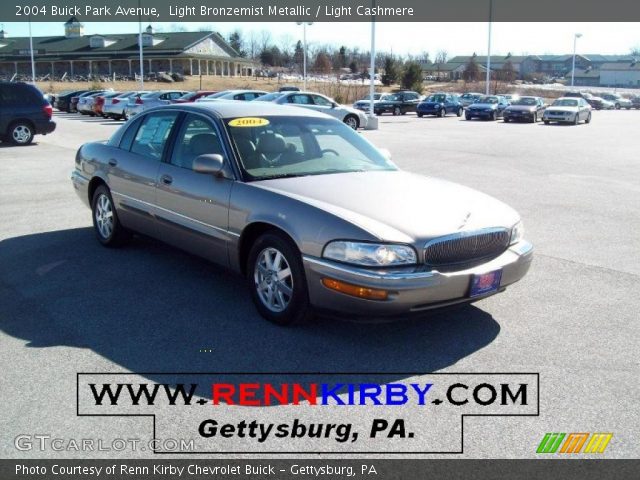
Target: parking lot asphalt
x=69 y=305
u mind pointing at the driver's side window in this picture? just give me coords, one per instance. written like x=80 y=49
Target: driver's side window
x=196 y=137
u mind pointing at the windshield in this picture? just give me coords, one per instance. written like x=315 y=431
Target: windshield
x=295 y=146
x=436 y=98
x=529 y=101
x=565 y=102
x=269 y=97
x=487 y=100
x=219 y=94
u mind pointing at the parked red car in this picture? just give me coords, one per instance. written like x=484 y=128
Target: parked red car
x=98 y=103
x=193 y=96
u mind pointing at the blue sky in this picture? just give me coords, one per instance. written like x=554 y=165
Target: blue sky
x=414 y=38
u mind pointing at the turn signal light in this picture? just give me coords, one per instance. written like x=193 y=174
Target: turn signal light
x=355 y=290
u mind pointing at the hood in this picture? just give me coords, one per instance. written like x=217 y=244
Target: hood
x=562 y=109
x=521 y=108
x=484 y=105
x=397 y=206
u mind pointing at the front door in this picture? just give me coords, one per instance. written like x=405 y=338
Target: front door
x=193 y=208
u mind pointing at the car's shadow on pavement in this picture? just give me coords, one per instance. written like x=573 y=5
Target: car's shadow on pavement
x=148 y=307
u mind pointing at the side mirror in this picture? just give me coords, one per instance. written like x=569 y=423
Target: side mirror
x=334 y=105
x=210 y=164
x=385 y=153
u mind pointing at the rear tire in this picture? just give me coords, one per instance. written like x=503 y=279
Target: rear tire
x=459 y=112
x=397 y=111
x=106 y=224
x=275 y=276
x=21 y=133
x=467 y=117
x=546 y=122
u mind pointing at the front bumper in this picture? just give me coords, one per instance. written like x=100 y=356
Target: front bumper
x=518 y=115
x=410 y=291
x=480 y=113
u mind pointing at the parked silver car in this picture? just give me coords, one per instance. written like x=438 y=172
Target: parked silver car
x=364 y=103
x=140 y=103
x=243 y=95
x=116 y=107
x=314 y=101
x=311 y=213
x=568 y=110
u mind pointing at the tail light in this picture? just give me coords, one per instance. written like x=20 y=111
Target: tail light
x=115 y=101
x=48 y=110
x=139 y=101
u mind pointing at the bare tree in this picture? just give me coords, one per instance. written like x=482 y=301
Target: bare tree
x=264 y=40
x=441 y=57
x=252 y=45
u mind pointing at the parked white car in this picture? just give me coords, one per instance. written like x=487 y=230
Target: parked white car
x=314 y=101
x=568 y=110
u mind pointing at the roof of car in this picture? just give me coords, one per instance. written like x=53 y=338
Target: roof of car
x=249 y=109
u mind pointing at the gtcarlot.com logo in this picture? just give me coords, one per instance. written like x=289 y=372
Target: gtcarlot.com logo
x=574 y=443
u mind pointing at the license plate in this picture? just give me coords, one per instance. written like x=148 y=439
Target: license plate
x=485 y=283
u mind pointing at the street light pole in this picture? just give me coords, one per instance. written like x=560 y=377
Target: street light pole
x=488 y=80
x=140 y=48
x=33 y=63
x=573 y=67
x=304 y=53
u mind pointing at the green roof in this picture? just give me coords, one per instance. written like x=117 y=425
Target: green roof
x=173 y=43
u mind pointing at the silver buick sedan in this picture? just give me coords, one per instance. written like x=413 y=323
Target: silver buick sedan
x=313 y=215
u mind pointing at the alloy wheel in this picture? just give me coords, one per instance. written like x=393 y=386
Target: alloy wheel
x=104 y=216
x=21 y=134
x=273 y=280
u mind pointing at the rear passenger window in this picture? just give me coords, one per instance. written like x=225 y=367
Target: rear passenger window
x=151 y=137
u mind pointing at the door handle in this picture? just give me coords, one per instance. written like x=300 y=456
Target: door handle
x=166 y=179
x=113 y=162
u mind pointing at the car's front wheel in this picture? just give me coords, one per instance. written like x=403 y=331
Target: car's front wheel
x=441 y=113
x=459 y=112
x=588 y=120
x=21 y=133
x=397 y=111
x=106 y=224
x=276 y=278
x=576 y=120
x=352 y=121
x=534 y=118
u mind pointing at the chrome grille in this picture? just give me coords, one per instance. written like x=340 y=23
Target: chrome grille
x=466 y=249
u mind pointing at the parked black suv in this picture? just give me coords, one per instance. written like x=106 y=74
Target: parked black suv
x=398 y=103
x=24 y=112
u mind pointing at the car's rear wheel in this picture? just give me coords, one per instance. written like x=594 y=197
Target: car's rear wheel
x=397 y=111
x=352 y=121
x=546 y=122
x=276 y=278
x=505 y=119
x=21 y=133
x=106 y=224
x=420 y=114
x=459 y=112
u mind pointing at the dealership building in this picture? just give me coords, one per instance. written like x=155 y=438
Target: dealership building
x=188 y=53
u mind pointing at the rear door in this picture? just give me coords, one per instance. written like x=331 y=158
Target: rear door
x=193 y=208
x=133 y=169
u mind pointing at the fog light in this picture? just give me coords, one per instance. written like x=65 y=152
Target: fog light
x=355 y=290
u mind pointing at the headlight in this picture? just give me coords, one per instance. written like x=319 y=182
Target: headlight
x=370 y=254
x=517 y=233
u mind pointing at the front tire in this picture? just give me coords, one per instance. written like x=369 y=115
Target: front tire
x=441 y=113
x=352 y=121
x=588 y=120
x=419 y=114
x=397 y=111
x=275 y=276
x=459 y=112
x=534 y=119
x=576 y=120
x=21 y=133
x=106 y=224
